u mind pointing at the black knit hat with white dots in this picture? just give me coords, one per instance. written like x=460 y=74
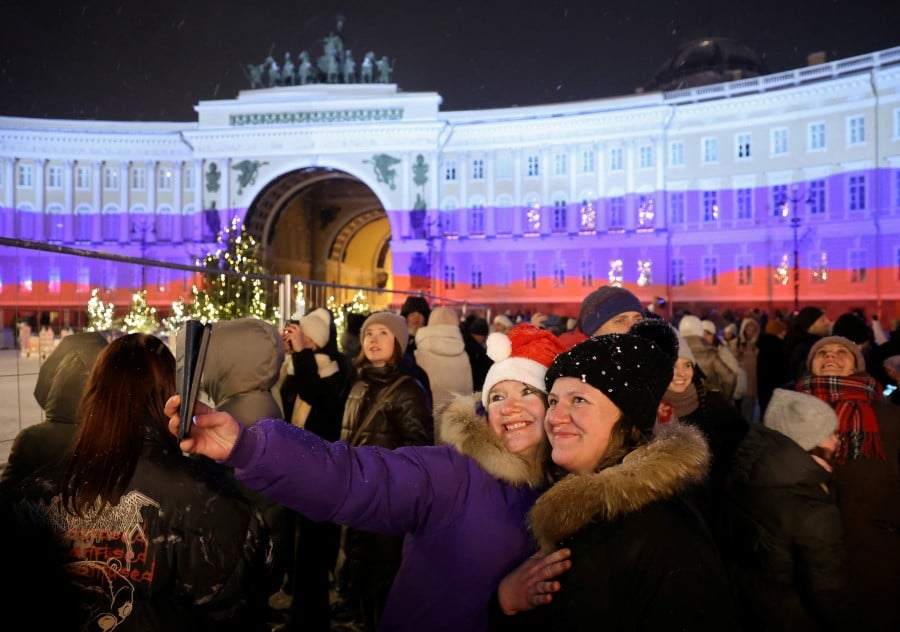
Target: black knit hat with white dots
x=633 y=370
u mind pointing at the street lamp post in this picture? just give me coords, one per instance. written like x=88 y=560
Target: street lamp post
x=142 y=226
x=789 y=207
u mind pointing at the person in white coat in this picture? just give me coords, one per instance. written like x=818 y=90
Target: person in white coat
x=441 y=353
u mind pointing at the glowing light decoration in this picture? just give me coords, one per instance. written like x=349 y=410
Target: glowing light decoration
x=100 y=314
x=646 y=214
x=645 y=272
x=782 y=272
x=141 y=317
x=588 y=217
x=615 y=272
x=821 y=274
x=533 y=218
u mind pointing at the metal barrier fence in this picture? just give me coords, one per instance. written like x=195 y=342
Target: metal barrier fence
x=57 y=288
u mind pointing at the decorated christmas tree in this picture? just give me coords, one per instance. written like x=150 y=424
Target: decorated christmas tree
x=100 y=314
x=230 y=296
x=141 y=317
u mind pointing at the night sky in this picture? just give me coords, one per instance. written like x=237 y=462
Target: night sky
x=153 y=61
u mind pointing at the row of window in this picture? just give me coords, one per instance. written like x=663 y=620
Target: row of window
x=142 y=227
x=709 y=272
x=779 y=145
x=783 y=201
x=84 y=176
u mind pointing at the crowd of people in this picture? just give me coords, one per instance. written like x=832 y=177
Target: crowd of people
x=429 y=470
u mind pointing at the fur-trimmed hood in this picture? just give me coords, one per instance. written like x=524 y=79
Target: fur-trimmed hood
x=674 y=460
x=460 y=424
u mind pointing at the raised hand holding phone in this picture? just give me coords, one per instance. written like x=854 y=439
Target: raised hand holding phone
x=196 y=341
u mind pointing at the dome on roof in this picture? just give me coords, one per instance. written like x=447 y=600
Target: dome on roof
x=707 y=61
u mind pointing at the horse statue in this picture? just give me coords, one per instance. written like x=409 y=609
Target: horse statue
x=306 y=73
x=330 y=62
x=255 y=72
x=367 y=68
x=385 y=68
x=349 y=67
x=287 y=71
x=274 y=71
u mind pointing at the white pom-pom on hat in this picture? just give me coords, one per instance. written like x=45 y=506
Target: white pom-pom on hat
x=498 y=346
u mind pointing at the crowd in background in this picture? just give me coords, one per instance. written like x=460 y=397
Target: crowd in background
x=784 y=431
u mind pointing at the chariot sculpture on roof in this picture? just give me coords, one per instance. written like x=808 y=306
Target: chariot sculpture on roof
x=334 y=65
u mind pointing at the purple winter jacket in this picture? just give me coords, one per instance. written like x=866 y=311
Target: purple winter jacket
x=462 y=507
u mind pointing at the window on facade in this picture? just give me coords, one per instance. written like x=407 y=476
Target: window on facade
x=779 y=141
x=816 y=141
x=744 y=203
x=83 y=279
x=165 y=222
x=448 y=220
x=190 y=178
x=83 y=179
x=615 y=272
x=857 y=266
x=110 y=178
x=26 y=223
x=165 y=178
x=477 y=277
x=616 y=213
x=449 y=277
x=857 y=191
x=531 y=218
x=616 y=162
x=588 y=161
x=531 y=275
x=449 y=170
x=138 y=178
x=645 y=156
x=55 y=223
x=710 y=271
x=187 y=224
x=559 y=216
x=53 y=284
x=560 y=164
x=646 y=213
x=476 y=220
x=505 y=275
x=816 y=197
x=742 y=146
x=504 y=166
x=745 y=270
x=25 y=177
x=84 y=222
x=710 y=150
x=676 y=153
x=111 y=223
x=478 y=169
x=856 y=130
x=676 y=207
x=710 y=206
x=818 y=267
x=559 y=274
x=587 y=273
x=533 y=168
x=503 y=216
x=779 y=199
x=54 y=177
x=588 y=215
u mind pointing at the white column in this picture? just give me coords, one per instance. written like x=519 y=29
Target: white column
x=40 y=225
x=125 y=201
x=68 y=200
x=150 y=235
x=177 y=168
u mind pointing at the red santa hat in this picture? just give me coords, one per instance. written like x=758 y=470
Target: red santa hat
x=522 y=354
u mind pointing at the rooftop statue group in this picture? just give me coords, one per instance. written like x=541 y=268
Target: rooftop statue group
x=335 y=65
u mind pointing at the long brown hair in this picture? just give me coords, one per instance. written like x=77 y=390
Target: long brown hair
x=127 y=389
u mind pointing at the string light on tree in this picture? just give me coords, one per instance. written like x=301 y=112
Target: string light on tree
x=141 y=317
x=615 y=272
x=100 y=314
x=782 y=272
x=645 y=272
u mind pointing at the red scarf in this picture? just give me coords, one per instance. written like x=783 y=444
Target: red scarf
x=851 y=397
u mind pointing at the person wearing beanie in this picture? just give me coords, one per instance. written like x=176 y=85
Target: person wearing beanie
x=475 y=331
x=609 y=309
x=441 y=352
x=809 y=325
x=720 y=376
x=690 y=401
x=460 y=504
x=313 y=385
x=771 y=361
x=415 y=310
x=625 y=499
x=782 y=512
x=865 y=472
x=389 y=408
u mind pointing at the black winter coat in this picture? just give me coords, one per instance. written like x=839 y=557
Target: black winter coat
x=181 y=550
x=784 y=530
x=404 y=418
x=642 y=558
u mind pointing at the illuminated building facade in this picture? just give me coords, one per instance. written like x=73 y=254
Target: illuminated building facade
x=701 y=196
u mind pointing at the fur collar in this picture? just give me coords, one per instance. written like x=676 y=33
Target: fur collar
x=460 y=425
x=675 y=459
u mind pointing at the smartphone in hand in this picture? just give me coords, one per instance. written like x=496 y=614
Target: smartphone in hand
x=196 y=341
